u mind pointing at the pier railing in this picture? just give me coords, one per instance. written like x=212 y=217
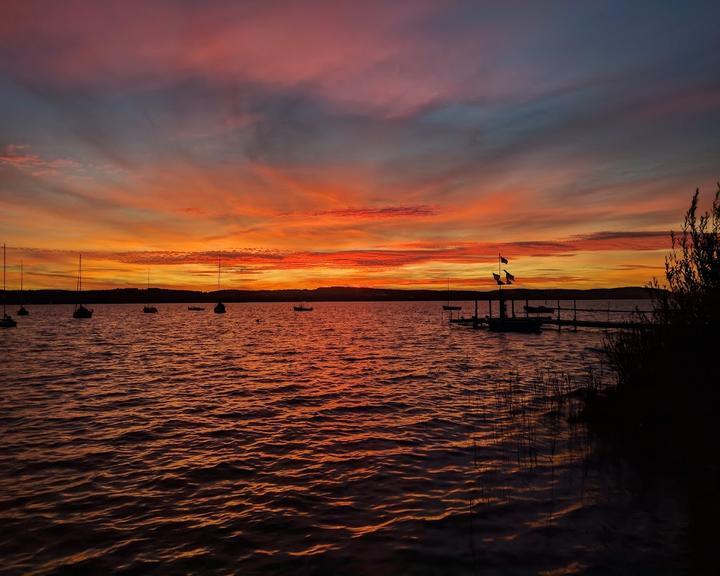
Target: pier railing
x=559 y=315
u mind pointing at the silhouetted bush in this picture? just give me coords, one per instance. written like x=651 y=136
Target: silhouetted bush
x=662 y=413
x=667 y=375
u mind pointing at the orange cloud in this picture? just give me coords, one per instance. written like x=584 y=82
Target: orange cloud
x=384 y=212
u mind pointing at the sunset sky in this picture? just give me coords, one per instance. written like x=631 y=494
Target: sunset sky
x=373 y=143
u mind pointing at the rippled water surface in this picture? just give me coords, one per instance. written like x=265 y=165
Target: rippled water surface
x=360 y=438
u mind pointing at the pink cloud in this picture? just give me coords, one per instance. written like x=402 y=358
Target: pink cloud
x=19 y=156
x=372 y=53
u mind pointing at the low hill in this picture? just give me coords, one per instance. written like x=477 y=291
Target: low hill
x=330 y=294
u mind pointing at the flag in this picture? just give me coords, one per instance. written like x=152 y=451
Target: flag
x=503 y=260
x=497 y=279
x=509 y=277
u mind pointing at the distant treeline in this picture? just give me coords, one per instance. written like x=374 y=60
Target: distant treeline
x=331 y=294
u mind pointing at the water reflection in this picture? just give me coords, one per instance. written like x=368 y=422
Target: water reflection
x=361 y=437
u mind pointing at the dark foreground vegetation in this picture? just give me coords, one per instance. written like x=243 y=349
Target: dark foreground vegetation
x=329 y=294
x=663 y=410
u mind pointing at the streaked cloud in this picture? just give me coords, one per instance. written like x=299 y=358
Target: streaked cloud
x=384 y=212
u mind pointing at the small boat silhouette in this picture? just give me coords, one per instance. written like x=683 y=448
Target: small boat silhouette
x=22 y=311
x=6 y=321
x=449 y=306
x=219 y=307
x=80 y=310
x=149 y=308
x=504 y=323
x=539 y=309
x=302 y=308
x=525 y=325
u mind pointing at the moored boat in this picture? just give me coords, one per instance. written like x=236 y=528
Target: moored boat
x=149 y=308
x=6 y=321
x=525 y=325
x=539 y=309
x=22 y=311
x=80 y=310
x=219 y=307
x=503 y=323
x=302 y=308
x=449 y=306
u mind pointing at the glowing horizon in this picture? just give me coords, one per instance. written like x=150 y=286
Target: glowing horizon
x=330 y=143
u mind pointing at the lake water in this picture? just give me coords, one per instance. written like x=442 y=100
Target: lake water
x=360 y=438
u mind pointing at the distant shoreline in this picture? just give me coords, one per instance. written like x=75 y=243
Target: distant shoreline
x=332 y=294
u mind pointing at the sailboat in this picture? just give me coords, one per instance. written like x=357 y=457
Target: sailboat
x=303 y=308
x=80 y=310
x=448 y=306
x=148 y=309
x=6 y=321
x=219 y=307
x=503 y=323
x=539 y=309
x=22 y=311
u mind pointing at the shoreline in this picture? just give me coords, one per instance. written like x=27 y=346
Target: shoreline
x=333 y=294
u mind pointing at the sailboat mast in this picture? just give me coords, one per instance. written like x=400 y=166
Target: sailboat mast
x=80 y=274
x=3 y=299
x=218 y=271
x=21 y=277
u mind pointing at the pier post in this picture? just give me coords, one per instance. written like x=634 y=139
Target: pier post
x=558 y=317
x=574 y=315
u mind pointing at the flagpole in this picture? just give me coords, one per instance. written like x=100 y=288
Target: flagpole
x=500 y=299
x=500 y=283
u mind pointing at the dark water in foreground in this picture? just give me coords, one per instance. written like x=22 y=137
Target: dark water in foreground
x=361 y=438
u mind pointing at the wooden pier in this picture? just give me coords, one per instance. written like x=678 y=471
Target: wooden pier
x=557 y=321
